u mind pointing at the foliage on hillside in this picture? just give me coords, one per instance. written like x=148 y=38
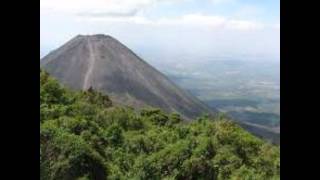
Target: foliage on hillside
x=83 y=136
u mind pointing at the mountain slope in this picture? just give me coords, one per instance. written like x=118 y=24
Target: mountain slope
x=83 y=136
x=103 y=63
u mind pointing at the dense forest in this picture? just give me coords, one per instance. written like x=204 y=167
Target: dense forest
x=84 y=136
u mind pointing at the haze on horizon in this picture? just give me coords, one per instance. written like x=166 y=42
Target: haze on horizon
x=210 y=28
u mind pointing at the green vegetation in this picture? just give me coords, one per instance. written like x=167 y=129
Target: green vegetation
x=83 y=136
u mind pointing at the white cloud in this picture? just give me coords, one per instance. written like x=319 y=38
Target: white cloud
x=219 y=22
x=244 y=25
x=128 y=11
x=100 y=7
x=94 y=6
x=211 y=22
x=198 y=19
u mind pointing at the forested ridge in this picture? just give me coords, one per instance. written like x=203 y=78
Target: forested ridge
x=84 y=136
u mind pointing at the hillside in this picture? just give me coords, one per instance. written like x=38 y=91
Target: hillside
x=103 y=63
x=84 y=136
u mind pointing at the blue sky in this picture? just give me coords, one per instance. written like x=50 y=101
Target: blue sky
x=198 y=27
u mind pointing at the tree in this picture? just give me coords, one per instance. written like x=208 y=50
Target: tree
x=83 y=136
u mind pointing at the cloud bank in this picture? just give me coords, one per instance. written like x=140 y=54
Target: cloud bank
x=146 y=24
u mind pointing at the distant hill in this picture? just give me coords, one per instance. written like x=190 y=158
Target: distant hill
x=103 y=63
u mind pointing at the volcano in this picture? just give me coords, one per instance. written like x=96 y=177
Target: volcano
x=103 y=63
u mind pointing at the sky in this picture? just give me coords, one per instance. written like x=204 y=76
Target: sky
x=193 y=28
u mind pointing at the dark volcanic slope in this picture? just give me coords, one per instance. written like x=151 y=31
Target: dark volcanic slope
x=102 y=62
